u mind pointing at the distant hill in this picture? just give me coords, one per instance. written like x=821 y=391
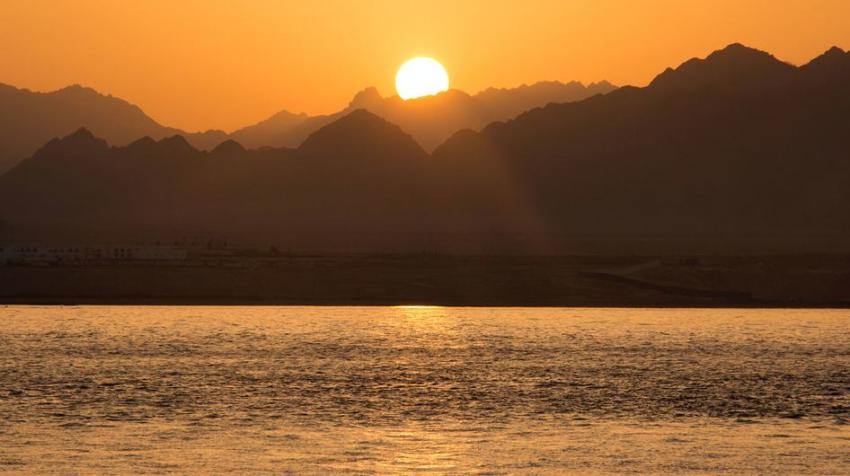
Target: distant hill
x=358 y=173
x=29 y=119
x=507 y=103
x=430 y=120
x=738 y=152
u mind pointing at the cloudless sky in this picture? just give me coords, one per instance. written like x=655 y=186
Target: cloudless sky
x=199 y=64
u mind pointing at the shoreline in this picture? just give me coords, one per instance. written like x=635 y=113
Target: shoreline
x=468 y=281
x=51 y=302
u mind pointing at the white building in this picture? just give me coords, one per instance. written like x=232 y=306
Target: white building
x=69 y=254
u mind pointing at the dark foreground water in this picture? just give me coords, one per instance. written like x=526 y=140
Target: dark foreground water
x=147 y=389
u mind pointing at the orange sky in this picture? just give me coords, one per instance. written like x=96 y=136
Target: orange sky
x=199 y=64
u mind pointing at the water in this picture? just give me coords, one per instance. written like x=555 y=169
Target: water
x=150 y=389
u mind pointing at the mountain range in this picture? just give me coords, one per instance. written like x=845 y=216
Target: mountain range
x=29 y=119
x=430 y=119
x=736 y=152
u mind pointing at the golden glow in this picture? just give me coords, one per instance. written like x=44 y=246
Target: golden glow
x=422 y=312
x=420 y=77
x=199 y=64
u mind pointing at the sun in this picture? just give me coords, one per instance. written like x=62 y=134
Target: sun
x=421 y=77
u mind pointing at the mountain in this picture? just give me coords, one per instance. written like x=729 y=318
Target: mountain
x=504 y=104
x=734 y=153
x=734 y=68
x=267 y=133
x=29 y=119
x=352 y=183
x=431 y=119
x=737 y=151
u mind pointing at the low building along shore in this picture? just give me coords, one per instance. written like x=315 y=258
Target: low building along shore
x=88 y=254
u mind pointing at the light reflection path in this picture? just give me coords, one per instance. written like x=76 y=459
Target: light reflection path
x=391 y=390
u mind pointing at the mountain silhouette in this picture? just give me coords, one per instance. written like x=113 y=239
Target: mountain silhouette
x=361 y=133
x=735 y=67
x=360 y=173
x=738 y=149
x=831 y=69
x=737 y=152
x=29 y=119
x=504 y=104
x=431 y=119
x=229 y=149
x=268 y=132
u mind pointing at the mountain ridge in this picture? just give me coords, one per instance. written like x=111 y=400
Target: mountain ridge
x=430 y=119
x=682 y=167
x=29 y=119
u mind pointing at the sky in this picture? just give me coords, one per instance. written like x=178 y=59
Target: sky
x=201 y=64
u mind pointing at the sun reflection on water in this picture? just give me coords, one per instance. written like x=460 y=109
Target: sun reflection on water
x=416 y=311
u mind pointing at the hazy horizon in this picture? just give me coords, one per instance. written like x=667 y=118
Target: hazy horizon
x=342 y=106
x=213 y=65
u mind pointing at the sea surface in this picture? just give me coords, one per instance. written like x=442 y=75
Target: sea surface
x=301 y=390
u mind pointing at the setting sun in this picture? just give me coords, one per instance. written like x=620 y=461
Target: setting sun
x=421 y=77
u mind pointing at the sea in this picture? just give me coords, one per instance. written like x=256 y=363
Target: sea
x=423 y=390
